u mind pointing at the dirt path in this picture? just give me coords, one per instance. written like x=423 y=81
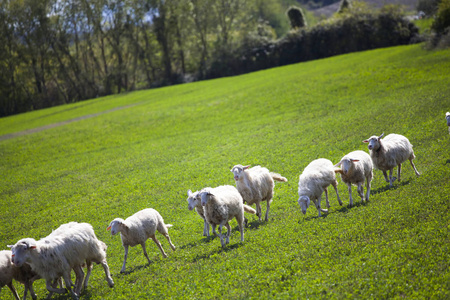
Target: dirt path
x=38 y=129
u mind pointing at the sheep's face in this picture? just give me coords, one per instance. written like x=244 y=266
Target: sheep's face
x=21 y=251
x=346 y=164
x=374 y=142
x=238 y=171
x=447 y=117
x=193 y=199
x=304 y=201
x=114 y=226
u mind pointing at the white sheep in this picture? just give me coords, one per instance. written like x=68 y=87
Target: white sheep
x=447 y=117
x=23 y=274
x=389 y=152
x=95 y=254
x=221 y=204
x=194 y=201
x=136 y=229
x=256 y=185
x=314 y=180
x=356 y=167
x=68 y=247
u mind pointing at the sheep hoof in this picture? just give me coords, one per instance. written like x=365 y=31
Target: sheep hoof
x=122 y=271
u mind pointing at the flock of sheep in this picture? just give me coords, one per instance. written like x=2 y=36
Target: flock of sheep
x=75 y=245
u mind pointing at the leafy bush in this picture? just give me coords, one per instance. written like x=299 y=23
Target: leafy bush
x=349 y=32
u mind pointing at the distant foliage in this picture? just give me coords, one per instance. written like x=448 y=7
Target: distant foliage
x=429 y=7
x=441 y=26
x=344 y=6
x=296 y=17
x=348 y=33
x=442 y=20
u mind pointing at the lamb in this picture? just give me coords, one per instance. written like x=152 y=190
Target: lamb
x=194 y=201
x=315 y=179
x=8 y=272
x=137 y=228
x=256 y=185
x=356 y=167
x=447 y=117
x=392 y=151
x=68 y=247
x=221 y=204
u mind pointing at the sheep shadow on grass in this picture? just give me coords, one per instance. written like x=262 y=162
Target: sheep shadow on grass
x=219 y=249
x=387 y=187
x=204 y=240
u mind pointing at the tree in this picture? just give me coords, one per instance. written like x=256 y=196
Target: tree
x=296 y=17
x=344 y=6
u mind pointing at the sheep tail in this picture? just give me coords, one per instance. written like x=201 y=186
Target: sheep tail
x=250 y=210
x=338 y=170
x=278 y=177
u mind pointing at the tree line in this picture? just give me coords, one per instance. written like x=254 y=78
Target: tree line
x=62 y=51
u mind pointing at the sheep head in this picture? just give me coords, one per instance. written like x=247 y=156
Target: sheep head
x=374 y=142
x=346 y=164
x=193 y=199
x=447 y=116
x=21 y=251
x=116 y=226
x=238 y=171
x=304 y=202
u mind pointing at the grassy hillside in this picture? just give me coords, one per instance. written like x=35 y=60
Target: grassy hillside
x=166 y=141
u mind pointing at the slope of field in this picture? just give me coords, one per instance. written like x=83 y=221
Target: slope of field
x=166 y=141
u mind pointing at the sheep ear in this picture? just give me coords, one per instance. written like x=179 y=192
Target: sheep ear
x=246 y=167
x=381 y=136
x=9 y=246
x=338 y=164
x=354 y=160
x=365 y=141
x=189 y=193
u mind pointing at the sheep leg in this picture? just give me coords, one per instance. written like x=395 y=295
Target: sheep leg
x=391 y=179
x=414 y=167
x=88 y=274
x=385 y=176
x=79 y=279
x=124 y=258
x=159 y=246
x=170 y=242
x=221 y=236
x=107 y=273
x=29 y=286
x=227 y=225
x=240 y=220
x=326 y=198
x=361 y=190
x=68 y=282
x=52 y=289
x=13 y=290
x=399 y=171
x=267 y=211
x=368 y=180
x=334 y=184
x=317 y=206
x=350 y=194
x=206 y=229
x=214 y=230
x=258 y=210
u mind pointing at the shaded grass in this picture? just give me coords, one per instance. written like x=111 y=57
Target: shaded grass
x=189 y=136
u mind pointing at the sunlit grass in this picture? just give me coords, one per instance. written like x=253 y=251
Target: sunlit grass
x=166 y=141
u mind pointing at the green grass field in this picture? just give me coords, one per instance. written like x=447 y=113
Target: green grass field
x=166 y=141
